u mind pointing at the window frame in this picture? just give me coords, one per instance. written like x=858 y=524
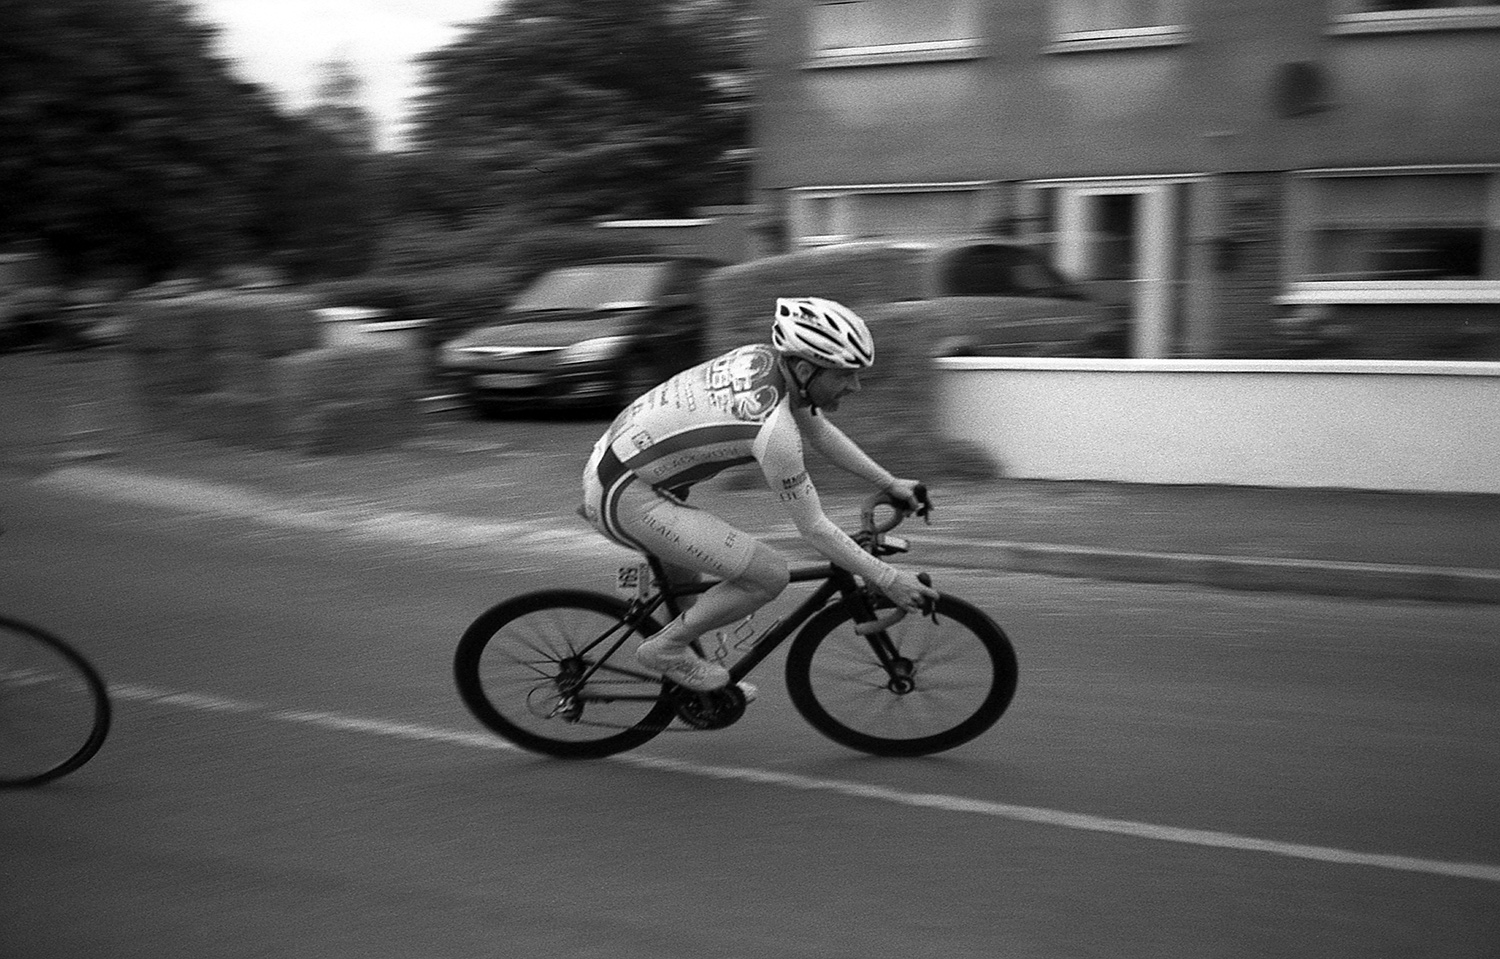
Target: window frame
x=1300 y=291
x=1350 y=18
x=842 y=201
x=1119 y=38
x=899 y=52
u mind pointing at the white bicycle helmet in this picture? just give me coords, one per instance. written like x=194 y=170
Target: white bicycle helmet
x=823 y=332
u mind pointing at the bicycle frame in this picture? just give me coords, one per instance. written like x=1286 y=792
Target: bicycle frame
x=835 y=581
x=553 y=655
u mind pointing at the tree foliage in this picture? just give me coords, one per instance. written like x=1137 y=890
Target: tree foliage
x=126 y=143
x=577 y=108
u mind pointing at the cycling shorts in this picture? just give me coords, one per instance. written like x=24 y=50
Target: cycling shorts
x=630 y=512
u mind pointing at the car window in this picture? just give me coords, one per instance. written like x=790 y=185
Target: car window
x=603 y=286
x=992 y=270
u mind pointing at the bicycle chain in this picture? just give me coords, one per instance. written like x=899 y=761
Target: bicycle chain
x=732 y=704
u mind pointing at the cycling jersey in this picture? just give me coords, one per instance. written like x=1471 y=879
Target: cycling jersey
x=733 y=409
x=704 y=420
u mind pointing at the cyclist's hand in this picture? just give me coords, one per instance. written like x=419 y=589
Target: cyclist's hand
x=910 y=593
x=912 y=494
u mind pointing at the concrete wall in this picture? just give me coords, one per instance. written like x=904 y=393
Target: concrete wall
x=1360 y=424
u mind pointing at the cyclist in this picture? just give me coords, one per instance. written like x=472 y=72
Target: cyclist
x=752 y=404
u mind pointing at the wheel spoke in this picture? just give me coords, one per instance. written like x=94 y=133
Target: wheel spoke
x=962 y=675
x=517 y=665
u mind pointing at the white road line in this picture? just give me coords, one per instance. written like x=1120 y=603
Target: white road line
x=1483 y=872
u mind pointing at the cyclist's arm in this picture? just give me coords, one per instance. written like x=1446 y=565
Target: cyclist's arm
x=843 y=452
x=835 y=444
x=779 y=451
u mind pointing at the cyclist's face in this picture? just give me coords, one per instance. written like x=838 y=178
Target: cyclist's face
x=830 y=386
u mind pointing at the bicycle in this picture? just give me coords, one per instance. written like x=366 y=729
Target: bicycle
x=54 y=706
x=545 y=670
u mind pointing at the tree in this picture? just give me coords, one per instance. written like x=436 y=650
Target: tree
x=575 y=108
x=339 y=106
x=125 y=142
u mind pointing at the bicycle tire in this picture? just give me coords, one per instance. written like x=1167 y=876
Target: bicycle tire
x=964 y=675
x=507 y=665
x=54 y=706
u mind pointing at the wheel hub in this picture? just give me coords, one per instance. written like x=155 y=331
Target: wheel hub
x=903 y=673
x=559 y=698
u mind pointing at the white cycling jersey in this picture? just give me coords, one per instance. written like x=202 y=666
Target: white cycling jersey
x=732 y=410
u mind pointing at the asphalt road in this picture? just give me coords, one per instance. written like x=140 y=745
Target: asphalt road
x=1184 y=773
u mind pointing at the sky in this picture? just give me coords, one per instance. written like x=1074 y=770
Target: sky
x=283 y=43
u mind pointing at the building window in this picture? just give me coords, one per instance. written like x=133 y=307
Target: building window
x=822 y=215
x=1403 y=16
x=1083 y=25
x=872 y=32
x=1395 y=235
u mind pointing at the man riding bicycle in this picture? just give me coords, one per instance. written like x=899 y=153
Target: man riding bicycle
x=752 y=404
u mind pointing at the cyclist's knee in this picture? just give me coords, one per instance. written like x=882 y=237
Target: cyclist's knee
x=767 y=573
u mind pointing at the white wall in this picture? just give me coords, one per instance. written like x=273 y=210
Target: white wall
x=1362 y=424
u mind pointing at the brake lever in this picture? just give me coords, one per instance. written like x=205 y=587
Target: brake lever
x=882 y=623
x=929 y=606
x=924 y=500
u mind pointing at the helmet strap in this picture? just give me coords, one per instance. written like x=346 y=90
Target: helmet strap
x=802 y=385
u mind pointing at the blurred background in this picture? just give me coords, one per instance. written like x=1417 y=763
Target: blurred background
x=203 y=181
x=416 y=146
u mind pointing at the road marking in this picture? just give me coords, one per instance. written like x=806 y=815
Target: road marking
x=1483 y=872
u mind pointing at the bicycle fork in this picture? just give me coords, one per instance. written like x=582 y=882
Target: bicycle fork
x=900 y=669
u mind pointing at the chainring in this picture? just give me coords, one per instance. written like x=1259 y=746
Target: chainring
x=711 y=710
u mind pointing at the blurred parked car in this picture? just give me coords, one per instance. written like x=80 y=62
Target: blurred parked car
x=591 y=334
x=29 y=316
x=1032 y=302
x=978 y=296
x=167 y=289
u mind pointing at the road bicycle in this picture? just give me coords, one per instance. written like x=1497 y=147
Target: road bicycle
x=54 y=707
x=554 y=671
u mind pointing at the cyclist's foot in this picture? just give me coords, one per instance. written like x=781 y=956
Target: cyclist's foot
x=749 y=690
x=682 y=666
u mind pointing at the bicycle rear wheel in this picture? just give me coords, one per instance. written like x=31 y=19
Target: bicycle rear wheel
x=517 y=668
x=54 y=708
x=950 y=680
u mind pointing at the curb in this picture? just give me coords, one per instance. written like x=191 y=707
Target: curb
x=1316 y=577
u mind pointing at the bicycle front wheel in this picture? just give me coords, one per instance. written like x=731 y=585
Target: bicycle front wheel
x=54 y=708
x=527 y=670
x=940 y=684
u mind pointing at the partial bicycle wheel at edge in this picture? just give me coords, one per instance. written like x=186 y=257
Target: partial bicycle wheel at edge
x=962 y=677
x=54 y=707
x=514 y=663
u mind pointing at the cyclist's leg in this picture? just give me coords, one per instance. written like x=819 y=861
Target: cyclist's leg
x=679 y=577
x=751 y=573
x=731 y=600
x=691 y=543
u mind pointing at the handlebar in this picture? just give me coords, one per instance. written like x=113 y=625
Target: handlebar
x=869 y=536
x=900 y=508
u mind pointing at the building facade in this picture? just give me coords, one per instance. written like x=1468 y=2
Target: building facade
x=1259 y=176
